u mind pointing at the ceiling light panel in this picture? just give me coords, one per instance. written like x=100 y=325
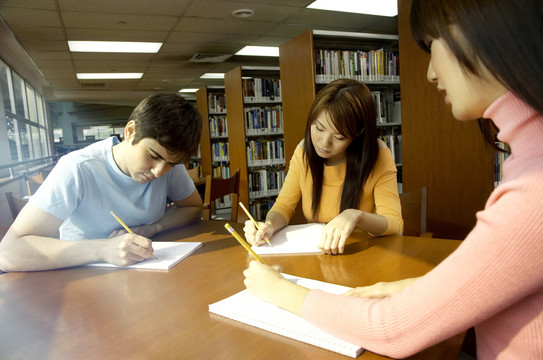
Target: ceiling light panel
x=368 y=7
x=114 y=46
x=94 y=76
x=259 y=51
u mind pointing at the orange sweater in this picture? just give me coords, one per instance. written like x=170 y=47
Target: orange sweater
x=380 y=194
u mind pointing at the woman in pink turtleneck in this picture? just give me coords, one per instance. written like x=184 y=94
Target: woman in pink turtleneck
x=486 y=60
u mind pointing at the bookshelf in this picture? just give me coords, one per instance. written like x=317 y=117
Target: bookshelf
x=444 y=154
x=316 y=57
x=214 y=147
x=256 y=134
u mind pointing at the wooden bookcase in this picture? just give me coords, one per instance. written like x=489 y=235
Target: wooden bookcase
x=212 y=106
x=240 y=138
x=215 y=132
x=444 y=154
x=205 y=140
x=299 y=63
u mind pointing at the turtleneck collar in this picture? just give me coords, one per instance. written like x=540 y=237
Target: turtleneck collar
x=520 y=125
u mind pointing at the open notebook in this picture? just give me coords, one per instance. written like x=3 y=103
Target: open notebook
x=247 y=309
x=293 y=239
x=168 y=255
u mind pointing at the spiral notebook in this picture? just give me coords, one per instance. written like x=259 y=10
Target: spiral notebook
x=168 y=255
x=247 y=309
x=293 y=239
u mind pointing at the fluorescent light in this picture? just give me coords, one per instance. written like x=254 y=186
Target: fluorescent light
x=114 y=46
x=188 y=90
x=90 y=76
x=212 y=76
x=259 y=51
x=369 y=7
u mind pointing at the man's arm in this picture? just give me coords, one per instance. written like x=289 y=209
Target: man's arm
x=184 y=212
x=28 y=245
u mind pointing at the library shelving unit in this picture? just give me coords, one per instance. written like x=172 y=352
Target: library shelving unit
x=215 y=161
x=444 y=154
x=255 y=128
x=316 y=57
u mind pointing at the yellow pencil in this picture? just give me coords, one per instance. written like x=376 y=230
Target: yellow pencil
x=253 y=220
x=127 y=228
x=243 y=242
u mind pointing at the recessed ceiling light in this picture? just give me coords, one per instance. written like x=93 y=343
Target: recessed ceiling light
x=243 y=13
x=90 y=76
x=188 y=90
x=212 y=76
x=259 y=51
x=369 y=7
x=114 y=46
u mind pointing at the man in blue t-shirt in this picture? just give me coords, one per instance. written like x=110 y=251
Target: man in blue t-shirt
x=132 y=178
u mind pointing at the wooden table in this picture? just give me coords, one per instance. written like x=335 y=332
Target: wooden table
x=93 y=313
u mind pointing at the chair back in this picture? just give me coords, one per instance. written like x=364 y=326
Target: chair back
x=194 y=173
x=414 y=212
x=15 y=204
x=217 y=188
x=33 y=183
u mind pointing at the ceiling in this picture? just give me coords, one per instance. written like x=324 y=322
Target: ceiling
x=37 y=32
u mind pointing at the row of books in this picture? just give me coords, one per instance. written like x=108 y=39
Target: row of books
x=216 y=103
x=265 y=152
x=394 y=143
x=219 y=151
x=220 y=169
x=373 y=65
x=223 y=202
x=267 y=119
x=218 y=126
x=381 y=103
x=259 y=208
x=257 y=89
x=265 y=182
x=499 y=159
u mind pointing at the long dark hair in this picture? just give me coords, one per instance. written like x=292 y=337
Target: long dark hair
x=506 y=36
x=351 y=110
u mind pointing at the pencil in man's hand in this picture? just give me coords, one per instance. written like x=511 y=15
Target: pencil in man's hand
x=128 y=229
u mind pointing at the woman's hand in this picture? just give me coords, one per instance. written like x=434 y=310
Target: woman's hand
x=381 y=289
x=335 y=233
x=267 y=284
x=261 y=280
x=256 y=236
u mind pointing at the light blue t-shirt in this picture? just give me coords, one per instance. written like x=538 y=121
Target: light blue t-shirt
x=87 y=184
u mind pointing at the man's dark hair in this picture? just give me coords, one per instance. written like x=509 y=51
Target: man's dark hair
x=172 y=121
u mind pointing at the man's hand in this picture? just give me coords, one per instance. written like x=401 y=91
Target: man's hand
x=126 y=249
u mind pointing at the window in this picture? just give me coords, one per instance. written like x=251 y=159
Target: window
x=25 y=120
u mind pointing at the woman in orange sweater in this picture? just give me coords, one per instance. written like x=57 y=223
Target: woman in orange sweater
x=345 y=176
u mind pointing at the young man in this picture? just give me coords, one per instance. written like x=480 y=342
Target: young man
x=132 y=178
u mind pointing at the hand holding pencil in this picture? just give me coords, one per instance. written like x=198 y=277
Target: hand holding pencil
x=127 y=229
x=252 y=234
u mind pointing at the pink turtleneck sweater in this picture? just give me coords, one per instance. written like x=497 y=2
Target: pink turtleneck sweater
x=493 y=281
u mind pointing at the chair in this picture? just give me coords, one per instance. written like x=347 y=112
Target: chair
x=216 y=188
x=194 y=173
x=414 y=212
x=15 y=204
x=33 y=183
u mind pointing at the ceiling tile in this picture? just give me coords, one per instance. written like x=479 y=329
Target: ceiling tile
x=117 y=21
x=143 y=7
x=31 y=17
